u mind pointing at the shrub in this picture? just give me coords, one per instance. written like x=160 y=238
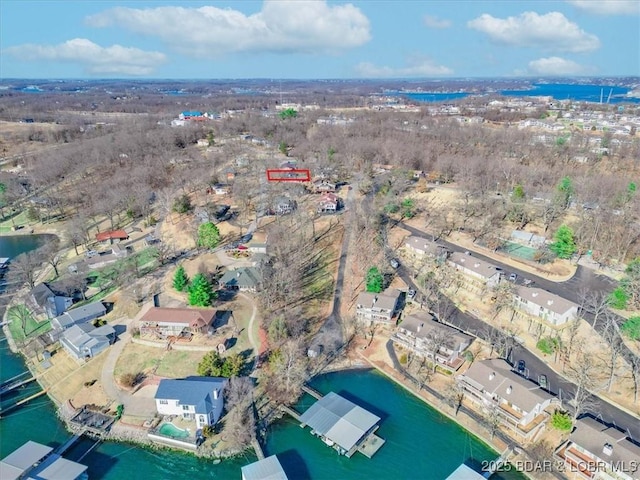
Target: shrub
x=631 y=328
x=129 y=379
x=182 y=204
x=403 y=359
x=618 y=298
x=561 y=421
x=545 y=345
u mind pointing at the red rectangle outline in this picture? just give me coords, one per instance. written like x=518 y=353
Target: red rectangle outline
x=305 y=171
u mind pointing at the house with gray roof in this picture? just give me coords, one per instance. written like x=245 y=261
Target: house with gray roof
x=378 y=307
x=84 y=341
x=425 y=337
x=520 y=404
x=76 y=316
x=421 y=247
x=340 y=423
x=266 y=469
x=476 y=270
x=193 y=398
x=245 y=279
x=48 y=299
x=36 y=461
x=596 y=450
x=545 y=305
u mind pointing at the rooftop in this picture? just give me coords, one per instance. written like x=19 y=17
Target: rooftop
x=339 y=420
x=386 y=300
x=496 y=377
x=197 y=391
x=266 y=469
x=194 y=317
x=482 y=268
x=422 y=325
x=546 y=299
x=595 y=437
x=113 y=234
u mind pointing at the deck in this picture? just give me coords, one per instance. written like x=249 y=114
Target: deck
x=371 y=445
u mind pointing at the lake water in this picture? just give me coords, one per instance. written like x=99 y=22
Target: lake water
x=420 y=442
x=558 y=91
x=14 y=245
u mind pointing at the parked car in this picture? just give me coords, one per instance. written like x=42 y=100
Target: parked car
x=394 y=263
x=411 y=293
x=521 y=368
x=543 y=381
x=513 y=277
x=91 y=253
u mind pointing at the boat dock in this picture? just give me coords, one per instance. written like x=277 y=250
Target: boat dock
x=371 y=444
x=16 y=382
x=4 y=411
x=314 y=393
x=499 y=462
x=291 y=412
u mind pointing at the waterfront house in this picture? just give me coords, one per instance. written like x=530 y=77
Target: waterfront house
x=192 y=398
x=112 y=236
x=378 y=307
x=329 y=203
x=595 y=450
x=245 y=279
x=39 y=462
x=420 y=247
x=112 y=255
x=545 y=305
x=427 y=338
x=340 y=423
x=266 y=469
x=521 y=405
x=164 y=321
x=76 y=316
x=477 y=271
x=85 y=341
x=48 y=299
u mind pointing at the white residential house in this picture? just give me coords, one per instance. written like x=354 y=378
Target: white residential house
x=522 y=406
x=192 y=398
x=329 y=203
x=421 y=334
x=545 y=305
x=597 y=451
x=421 y=247
x=378 y=307
x=484 y=273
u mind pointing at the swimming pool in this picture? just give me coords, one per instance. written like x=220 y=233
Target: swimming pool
x=170 y=430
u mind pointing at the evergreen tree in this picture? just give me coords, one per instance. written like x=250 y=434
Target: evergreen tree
x=200 y=292
x=564 y=245
x=208 y=235
x=374 y=280
x=180 y=279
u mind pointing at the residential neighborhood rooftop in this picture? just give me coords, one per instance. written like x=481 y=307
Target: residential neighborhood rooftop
x=339 y=420
x=386 y=300
x=422 y=325
x=112 y=235
x=194 y=317
x=266 y=469
x=496 y=377
x=197 y=391
x=545 y=299
x=482 y=268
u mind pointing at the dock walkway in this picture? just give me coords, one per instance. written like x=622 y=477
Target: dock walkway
x=291 y=412
x=499 y=462
x=314 y=393
x=16 y=382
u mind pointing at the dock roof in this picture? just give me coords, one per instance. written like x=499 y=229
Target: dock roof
x=57 y=468
x=463 y=472
x=266 y=469
x=339 y=420
x=22 y=459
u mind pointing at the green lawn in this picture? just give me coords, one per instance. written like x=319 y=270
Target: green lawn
x=18 y=315
x=20 y=220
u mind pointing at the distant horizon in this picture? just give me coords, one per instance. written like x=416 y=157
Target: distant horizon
x=313 y=39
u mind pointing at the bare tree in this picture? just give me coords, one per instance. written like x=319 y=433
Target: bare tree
x=24 y=267
x=51 y=254
x=454 y=396
x=435 y=340
x=287 y=372
x=582 y=373
x=239 y=392
x=615 y=345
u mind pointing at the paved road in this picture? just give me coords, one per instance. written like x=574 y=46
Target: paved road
x=535 y=367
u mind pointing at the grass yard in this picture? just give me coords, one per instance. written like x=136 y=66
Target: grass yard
x=19 y=315
x=176 y=363
x=20 y=220
x=138 y=358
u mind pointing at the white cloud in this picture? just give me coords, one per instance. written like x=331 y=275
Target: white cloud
x=551 y=31
x=432 y=21
x=419 y=67
x=282 y=26
x=555 y=66
x=608 y=7
x=96 y=60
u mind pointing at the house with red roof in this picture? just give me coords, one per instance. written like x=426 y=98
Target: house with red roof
x=112 y=236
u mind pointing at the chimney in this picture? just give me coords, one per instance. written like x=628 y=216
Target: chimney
x=509 y=389
x=420 y=327
x=215 y=394
x=607 y=449
x=534 y=294
x=492 y=375
x=237 y=274
x=549 y=302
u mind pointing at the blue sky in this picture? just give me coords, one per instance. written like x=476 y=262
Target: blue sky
x=318 y=39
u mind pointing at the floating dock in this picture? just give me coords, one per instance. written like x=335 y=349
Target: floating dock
x=16 y=382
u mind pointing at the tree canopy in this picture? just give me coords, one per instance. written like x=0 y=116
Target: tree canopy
x=213 y=365
x=374 y=280
x=180 y=279
x=561 y=421
x=200 y=292
x=631 y=328
x=208 y=235
x=564 y=245
x=288 y=113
